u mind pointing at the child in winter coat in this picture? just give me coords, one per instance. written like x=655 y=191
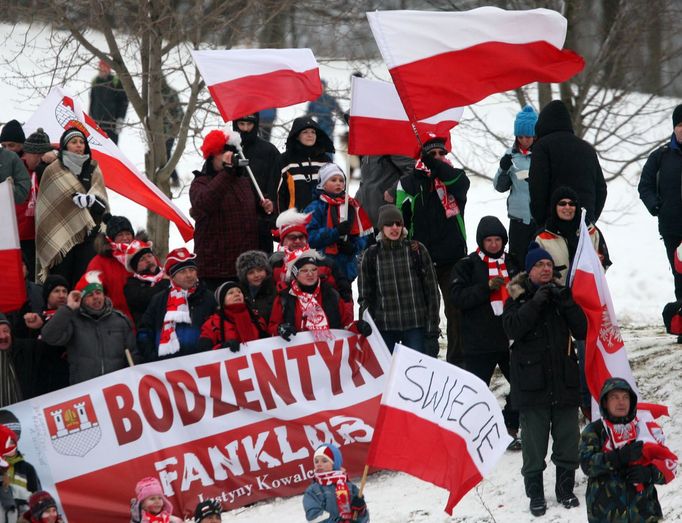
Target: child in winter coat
x=19 y=477
x=255 y=279
x=234 y=323
x=339 y=227
x=42 y=508
x=150 y=505
x=331 y=492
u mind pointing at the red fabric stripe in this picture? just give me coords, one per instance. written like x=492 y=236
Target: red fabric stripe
x=13 y=294
x=406 y=442
x=460 y=78
x=376 y=136
x=249 y=94
x=119 y=178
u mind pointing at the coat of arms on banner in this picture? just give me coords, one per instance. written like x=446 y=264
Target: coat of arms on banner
x=73 y=426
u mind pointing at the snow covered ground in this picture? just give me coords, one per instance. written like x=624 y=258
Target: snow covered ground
x=640 y=283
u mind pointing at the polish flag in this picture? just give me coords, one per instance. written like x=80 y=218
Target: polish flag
x=439 y=423
x=440 y=60
x=61 y=110
x=13 y=294
x=379 y=125
x=244 y=81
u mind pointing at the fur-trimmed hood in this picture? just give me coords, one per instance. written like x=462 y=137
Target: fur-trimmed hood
x=518 y=285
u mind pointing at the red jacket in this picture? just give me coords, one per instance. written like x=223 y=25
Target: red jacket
x=238 y=324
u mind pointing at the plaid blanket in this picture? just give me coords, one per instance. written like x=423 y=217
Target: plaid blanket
x=60 y=224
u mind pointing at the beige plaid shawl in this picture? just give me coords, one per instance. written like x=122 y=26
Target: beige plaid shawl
x=60 y=224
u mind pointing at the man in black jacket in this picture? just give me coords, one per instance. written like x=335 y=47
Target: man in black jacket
x=108 y=101
x=660 y=189
x=541 y=317
x=561 y=158
x=148 y=278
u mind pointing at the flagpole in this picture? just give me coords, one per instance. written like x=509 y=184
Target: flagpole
x=362 y=488
x=416 y=134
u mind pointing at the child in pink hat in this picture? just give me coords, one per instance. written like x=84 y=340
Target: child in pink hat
x=150 y=505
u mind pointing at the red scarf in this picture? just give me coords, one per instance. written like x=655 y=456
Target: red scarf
x=239 y=315
x=177 y=311
x=339 y=479
x=161 y=517
x=313 y=318
x=152 y=279
x=118 y=251
x=361 y=225
x=496 y=267
x=448 y=201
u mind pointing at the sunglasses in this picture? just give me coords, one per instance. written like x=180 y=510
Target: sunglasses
x=564 y=203
x=394 y=224
x=438 y=152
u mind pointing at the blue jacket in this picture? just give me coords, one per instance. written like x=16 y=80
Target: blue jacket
x=320 y=237
x=515 y=180
x=319 y=499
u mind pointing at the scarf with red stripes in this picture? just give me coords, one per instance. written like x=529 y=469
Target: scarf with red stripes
x=152 y=279
x=496 y=267
x=118 y=251
x=339 y=479
x=313 y=316
x=448 y=201
x=161 y=517
x=177 y=311
x=361 y=225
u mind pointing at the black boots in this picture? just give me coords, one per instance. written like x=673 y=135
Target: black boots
x=536 y=492
x=565 y=481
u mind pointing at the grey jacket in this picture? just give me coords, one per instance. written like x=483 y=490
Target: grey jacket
x=515 y=180
x=95 y=345
x=12 y=166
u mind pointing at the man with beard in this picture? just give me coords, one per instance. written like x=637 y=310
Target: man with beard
x=148 y=278
x=95 y=334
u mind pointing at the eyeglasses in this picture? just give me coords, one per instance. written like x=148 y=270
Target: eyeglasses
x=438 y=152
x=564 y=203
x=308 y=271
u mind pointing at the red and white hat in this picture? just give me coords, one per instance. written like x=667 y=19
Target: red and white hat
x=136 y=249
x=291 y=221
x=298 y=259
x=90 y=282
x=179 y=259
x=8 y=443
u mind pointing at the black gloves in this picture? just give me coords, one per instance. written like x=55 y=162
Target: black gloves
x=506 y=162
x=542 y=295
x=346 y=248
x=343 y=228
x=358 y=505
x=364 y=328
x=640 y=474
x=625 y=455
x=286 y=331
x=233 y=345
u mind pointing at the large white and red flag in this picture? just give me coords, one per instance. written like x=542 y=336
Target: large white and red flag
x=13 y=294
x=244 y=81
x=61 y=110
x=440 y=60
x=439 y=423
x=379 y=125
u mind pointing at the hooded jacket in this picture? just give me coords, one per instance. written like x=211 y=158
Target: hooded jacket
x=561 y=158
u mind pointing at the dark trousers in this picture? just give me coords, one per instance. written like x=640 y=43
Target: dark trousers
x=28 y=252
x=671 y=244
x=520 y=235
x=76 y=261
x=537 y=423
x=412 y=338
x=452 y=315
x=483 y=367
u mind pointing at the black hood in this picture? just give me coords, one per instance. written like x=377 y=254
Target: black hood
x=617 y=384
x=490 y=226
x=323 y=144
x=553 y=117
x=253 y=133
x=555 y=224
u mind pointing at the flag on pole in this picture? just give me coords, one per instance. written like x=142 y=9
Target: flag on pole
x=379 y=125
x=13 y=294
x=440 y=60
x=439 y=423
x=244 y=81
x=61 y=110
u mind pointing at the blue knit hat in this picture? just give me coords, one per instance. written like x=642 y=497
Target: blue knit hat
x=535 y=254
x=524 y=125
x=330 y=452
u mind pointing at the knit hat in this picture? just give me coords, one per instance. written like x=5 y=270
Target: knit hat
x=490 y=226
x=535 y=254
x=9 y=420
x=51 y=282
x=12 y=132
x=90 y=282
x=38 y=142
x=434 y=143
x=389 y=214
x=332 y=453
x=299 y=259
x=136 y=249
x=524 y=125
x=8 y=443
x=179 y=259
x=117 y=224
x=150 y=486
x=3 y=319
x=214 y=144
x=677 y=116
x=291 y=221
x=69 y=134
x=251 y=260
x=208 y=507
x=222 y=290
x=39 y=502
x=253 y=118
x=327 y=171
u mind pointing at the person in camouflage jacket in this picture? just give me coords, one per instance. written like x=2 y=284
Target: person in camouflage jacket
x=619 y=488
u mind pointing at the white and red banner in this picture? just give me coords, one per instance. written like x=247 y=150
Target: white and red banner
x=13 y=294
x=438 y=423
x=244 y=81
x=237 y=427
x=439 y=60
x=379 y=125
x=61 y=110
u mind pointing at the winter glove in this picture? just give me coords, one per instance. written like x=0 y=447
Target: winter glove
x=286 y=331
x=640 y=474
x=233 y=345
x=506 y=162
x=83 y=201
x=623 y=456
x=364 y=328
x=346 y=248
x=495 y=283
x=542 y=295
x=358 y=505
x=343 y=228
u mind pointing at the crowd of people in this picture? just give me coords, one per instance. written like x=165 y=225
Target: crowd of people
x=99 y=297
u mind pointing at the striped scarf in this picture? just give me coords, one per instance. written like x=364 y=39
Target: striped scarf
x=361 y=225
x=339 y=479
x=314 y=318
x=496 y=267
x=448 y=201
x=177 y=311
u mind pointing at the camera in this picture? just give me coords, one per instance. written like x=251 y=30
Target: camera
x=242 y=162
